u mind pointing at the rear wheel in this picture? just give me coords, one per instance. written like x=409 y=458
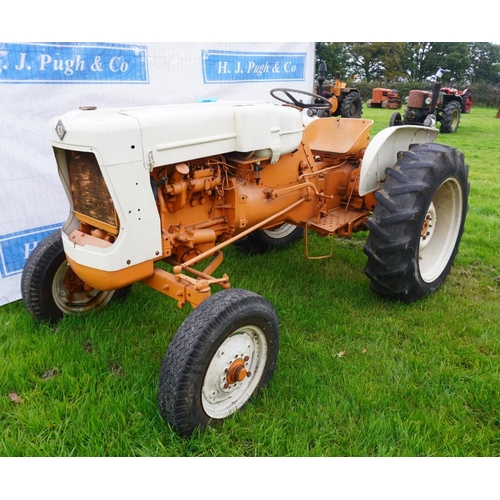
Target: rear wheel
x=451 y=118
x=351 y=106
x=50 y=288
x=418 y=222
x=223 y=353
x=263 y=240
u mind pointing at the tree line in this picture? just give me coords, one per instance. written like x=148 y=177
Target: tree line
x=467 y=62
x=473 y=65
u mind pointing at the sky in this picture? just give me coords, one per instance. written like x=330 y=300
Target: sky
x=221 y=20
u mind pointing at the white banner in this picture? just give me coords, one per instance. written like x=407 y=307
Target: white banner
x=42 y=80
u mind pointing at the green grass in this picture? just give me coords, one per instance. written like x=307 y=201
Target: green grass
x=356 y=376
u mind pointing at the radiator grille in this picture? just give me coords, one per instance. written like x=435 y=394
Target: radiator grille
x=90 y=194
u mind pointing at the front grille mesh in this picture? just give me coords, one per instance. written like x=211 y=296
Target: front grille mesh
x=88 y=188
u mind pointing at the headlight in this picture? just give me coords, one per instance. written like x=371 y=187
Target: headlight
x=428 y=100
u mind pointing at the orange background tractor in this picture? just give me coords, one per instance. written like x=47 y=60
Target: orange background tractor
x=384 y=98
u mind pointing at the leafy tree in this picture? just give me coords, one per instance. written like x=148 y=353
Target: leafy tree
x=376 y=60
x=453 y=56
x=334 y=55
x=467 y=62
x=416 y=60
x=484 y=62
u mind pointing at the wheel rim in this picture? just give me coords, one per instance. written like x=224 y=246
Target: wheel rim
x=234 y=372
x=72 y=295
x=454 y=120
x=280 y=231
x=440 y=230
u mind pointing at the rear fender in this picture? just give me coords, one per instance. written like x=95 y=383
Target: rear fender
x=447 y=98
x=383 y=149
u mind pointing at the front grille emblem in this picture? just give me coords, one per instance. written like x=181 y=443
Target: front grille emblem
x=60 y=130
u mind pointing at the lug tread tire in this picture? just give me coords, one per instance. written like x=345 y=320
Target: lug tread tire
x=447 y=121
x=393 y=244
x=350 y=101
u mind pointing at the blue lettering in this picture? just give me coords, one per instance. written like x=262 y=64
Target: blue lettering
x=73 y=63
x=230 y=67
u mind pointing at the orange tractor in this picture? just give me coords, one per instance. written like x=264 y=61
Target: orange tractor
x=345 y=101
x=384 y=98
x=157 y=193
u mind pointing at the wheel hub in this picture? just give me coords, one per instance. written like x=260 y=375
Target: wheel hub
x=234 y=371
x=428 y=227
x=440 y=230
x=237 y=372
x=74 y=284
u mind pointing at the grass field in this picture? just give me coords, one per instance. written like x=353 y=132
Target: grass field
x=356 y=375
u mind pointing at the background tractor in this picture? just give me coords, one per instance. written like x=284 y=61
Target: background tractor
x=384 y=98
x=345 y=102
x=466 y=95
x=157 y=193
x=428 y=108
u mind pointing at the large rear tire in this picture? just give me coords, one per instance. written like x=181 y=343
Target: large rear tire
x=451 y=118
x=50 y=289
x=351 y=106
x=263 y=240
x=223 y=353
x=418 y=222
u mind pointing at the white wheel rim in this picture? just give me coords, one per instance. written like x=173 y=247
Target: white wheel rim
x=246 y=349
x=440 y=230
x=280 y=232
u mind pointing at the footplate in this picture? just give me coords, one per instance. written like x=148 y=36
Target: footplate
x=340 y=220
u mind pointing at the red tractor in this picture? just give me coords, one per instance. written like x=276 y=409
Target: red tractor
x=384 y=98
x=465 y=95
x=426 y=108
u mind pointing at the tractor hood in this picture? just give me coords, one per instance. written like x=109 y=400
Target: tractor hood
x=163 y=135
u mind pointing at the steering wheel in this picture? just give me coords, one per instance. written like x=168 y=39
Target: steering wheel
x=323 y=104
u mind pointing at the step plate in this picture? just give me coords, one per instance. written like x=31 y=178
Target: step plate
x=336 y=219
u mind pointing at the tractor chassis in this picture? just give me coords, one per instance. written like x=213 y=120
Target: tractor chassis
x=185 y=284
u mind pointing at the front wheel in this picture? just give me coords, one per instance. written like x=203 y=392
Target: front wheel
x=418 y=222
x=223 y=353
x=395 y=120
x=50 y=289
x=263 y=240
